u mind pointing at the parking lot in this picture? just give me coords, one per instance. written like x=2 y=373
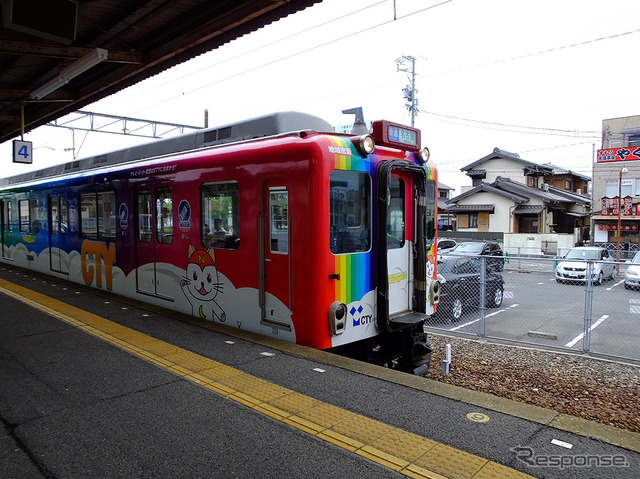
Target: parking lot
x=537 y=310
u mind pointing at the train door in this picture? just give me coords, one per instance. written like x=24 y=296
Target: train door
x=275 y=245
x=58 y=220
x=401 y=230
x=399 y=249
x=4 y=225
x=154 y=236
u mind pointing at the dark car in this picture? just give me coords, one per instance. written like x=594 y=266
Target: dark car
x=460 y=290
x=495 y=260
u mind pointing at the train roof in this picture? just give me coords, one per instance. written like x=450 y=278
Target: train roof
x=259 y=127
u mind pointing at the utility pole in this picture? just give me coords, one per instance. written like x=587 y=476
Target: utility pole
x=409 y=92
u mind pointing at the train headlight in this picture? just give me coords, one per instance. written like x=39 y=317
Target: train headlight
x=434 y=292
x=365 y=145
x=425 y=154
x=337 y=318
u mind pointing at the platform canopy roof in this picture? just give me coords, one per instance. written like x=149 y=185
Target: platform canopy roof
x=57 y=56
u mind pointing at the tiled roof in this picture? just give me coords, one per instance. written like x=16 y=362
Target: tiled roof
x=469 y=208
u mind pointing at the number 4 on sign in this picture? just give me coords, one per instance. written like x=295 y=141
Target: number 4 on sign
x=22 y=151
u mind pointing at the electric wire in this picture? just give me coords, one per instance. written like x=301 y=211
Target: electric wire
x=487 y=125
x=298 y=53
x=514 y=128
x=441 y=117
x=532 y=54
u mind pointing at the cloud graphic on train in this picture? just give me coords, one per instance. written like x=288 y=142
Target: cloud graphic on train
x=241 y=307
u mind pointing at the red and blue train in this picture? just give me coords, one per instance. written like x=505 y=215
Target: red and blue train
x=276 y=225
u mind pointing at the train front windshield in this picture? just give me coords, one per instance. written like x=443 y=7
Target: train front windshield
x=350 y=207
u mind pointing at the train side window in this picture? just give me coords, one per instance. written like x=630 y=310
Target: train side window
x=350 y=211
x=23 y=208
x=430 y=218
x=89 y=215
x=33 y=214
x=107 y=215
x=29 y=221
x=54 y=220
x=144 y=216
x=58 y=215
x=164 y=218
x=396 y=214
x=8 y=215
x=98 y=216
x=278 y=220
x=62 y=212
x=220 y=216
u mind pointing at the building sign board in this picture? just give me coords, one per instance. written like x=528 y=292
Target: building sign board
x=625 y=153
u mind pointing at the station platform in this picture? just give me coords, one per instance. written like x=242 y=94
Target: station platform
x=96 y=385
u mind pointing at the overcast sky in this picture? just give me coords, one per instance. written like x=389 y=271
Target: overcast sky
x=533 y=78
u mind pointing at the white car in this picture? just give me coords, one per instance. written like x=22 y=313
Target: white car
x=573 y=267
x=632 y=276
x=445 y=245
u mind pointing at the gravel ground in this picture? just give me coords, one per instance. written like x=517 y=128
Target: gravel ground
x=593 y=389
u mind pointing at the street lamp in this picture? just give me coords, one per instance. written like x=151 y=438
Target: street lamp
x=622 y=170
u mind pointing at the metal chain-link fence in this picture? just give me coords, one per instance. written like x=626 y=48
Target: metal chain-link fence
x=590 y=306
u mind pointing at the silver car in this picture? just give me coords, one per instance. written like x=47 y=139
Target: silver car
x=573 y=267
x=632 y=276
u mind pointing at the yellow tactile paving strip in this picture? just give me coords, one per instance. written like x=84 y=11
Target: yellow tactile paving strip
x=402 y=451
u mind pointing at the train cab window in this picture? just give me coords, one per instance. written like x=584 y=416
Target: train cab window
x=164 y=216
x=350 y=211
x=220 y=220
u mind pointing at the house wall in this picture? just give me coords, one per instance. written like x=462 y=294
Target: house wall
x=576 y=184
x=504 y=168
x=499 y=219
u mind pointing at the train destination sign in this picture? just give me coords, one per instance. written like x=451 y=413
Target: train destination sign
x=403 y=135
x=394 y=135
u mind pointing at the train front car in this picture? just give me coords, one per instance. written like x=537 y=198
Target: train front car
x=379 y=225
x=338 y=231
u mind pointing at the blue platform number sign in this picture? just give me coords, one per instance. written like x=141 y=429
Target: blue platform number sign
x=22 y=151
